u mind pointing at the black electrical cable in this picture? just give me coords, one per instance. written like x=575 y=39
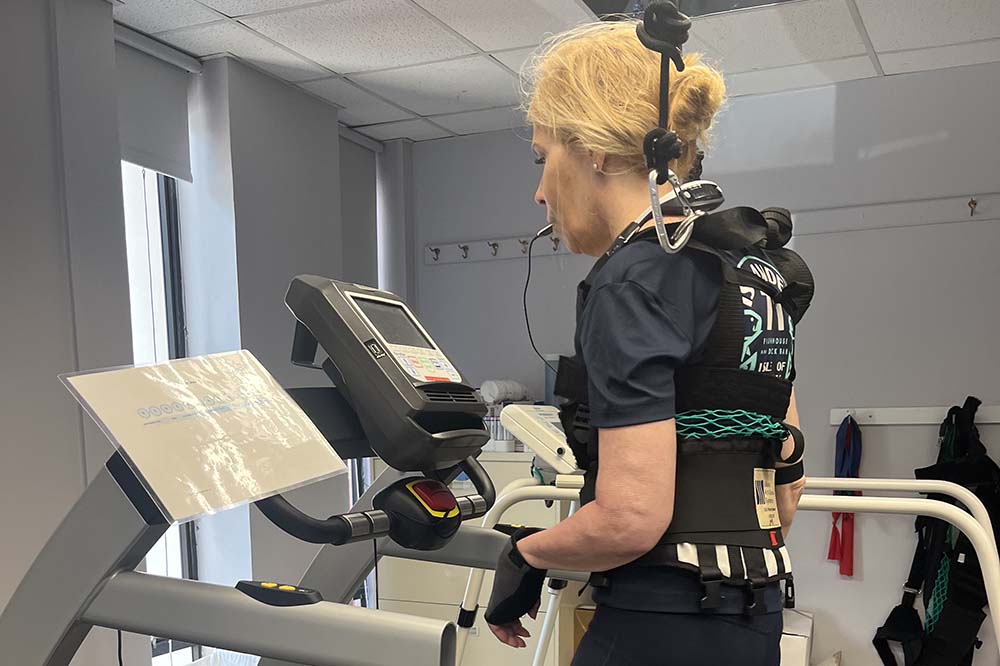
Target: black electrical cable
x=524 y=300
x=373 y=603
x=121 y=660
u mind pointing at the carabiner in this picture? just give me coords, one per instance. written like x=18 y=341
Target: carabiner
x=684 y=229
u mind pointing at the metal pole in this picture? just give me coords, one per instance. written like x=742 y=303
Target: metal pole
x=518 y=491
x=551 y=613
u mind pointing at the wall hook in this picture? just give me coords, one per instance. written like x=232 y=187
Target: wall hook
x=465 y=250
x=436 y=251
x=524 y=245
x=494 y=247
x=555 y=243
x=972 y=206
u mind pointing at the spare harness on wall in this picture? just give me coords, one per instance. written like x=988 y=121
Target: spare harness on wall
x=731 y=402
x=944 y=569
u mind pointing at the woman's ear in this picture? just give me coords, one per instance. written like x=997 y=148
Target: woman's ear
x=597 y=161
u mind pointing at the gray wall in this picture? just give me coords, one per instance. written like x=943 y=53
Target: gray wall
x=358 y=213
x=903 y=316
x=474 y=310
x=63 y=273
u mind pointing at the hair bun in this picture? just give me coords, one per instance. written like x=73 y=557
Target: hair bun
x=695 y=98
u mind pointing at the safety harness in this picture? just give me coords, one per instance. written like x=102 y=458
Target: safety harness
x=945 y=569
x=730 y=407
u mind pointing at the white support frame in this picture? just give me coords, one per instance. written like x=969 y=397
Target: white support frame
x=977 y=527
x=922 y=486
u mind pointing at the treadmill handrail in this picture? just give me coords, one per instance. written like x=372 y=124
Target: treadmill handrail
x=335 y=530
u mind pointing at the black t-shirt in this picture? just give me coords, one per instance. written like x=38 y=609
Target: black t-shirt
x=648 y=312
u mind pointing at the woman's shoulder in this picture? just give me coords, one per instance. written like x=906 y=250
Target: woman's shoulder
x=645 y=263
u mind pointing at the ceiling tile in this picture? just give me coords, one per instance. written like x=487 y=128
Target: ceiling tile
x=445 y=87
x=243 y=7
x=158 y=15
x=359 y=35
x=493 y=25
x=955 y=55
x=489 y=120
x=895 y=25
x=799 y=76
x=514 y=59
x=229 y=37
x=358 y=107
x=417 y=130
x=791 y=33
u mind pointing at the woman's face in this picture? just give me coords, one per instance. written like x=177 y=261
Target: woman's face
x=566 y=189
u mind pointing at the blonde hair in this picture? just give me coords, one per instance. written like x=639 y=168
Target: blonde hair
x=597 y=86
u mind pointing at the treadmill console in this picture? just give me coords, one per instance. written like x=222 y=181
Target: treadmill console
x=411 y=400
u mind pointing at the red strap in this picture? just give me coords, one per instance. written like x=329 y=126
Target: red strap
x=835 y=545
x=847 y=545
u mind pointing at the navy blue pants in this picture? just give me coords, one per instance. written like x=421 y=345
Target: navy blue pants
x=635 y=638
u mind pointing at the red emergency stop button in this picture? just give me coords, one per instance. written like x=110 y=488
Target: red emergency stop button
x=434 y=495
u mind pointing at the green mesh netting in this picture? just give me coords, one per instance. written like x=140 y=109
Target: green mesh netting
x=723 y=423
x=939 y=593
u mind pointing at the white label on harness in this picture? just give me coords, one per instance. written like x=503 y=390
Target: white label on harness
x=764 y=499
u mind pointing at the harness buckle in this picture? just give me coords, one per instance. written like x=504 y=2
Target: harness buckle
x=755 y=599
x=713 y=594
x=790 y=593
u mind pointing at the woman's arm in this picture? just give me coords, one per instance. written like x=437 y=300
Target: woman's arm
x=632 y=509
x=788 y=495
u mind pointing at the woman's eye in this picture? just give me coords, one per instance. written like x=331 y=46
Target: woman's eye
x=539 y=160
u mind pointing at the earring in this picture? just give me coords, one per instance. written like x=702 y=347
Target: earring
x=595 y=166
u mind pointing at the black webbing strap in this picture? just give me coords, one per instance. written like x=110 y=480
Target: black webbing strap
x=793 y=468
x=903 y=624
x=711 y=576
x=756 y=581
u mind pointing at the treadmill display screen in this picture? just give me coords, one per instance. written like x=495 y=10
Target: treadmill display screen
x=393 y=322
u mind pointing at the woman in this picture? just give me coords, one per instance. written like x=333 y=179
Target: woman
x=689 y=543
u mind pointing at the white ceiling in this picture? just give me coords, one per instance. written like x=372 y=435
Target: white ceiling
x=428 y=69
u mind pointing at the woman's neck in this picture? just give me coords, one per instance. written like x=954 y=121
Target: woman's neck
x=625 y=200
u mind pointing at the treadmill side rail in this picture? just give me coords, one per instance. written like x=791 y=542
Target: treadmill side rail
x=320 y=634
x=101 y=535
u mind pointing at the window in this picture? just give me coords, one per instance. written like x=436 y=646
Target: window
x=152 y=246
x=362 y=475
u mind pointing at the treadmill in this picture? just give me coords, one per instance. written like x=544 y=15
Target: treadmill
x=395 y=395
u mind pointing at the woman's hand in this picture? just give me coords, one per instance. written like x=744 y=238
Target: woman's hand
x=514 y=633
x=517 y=590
